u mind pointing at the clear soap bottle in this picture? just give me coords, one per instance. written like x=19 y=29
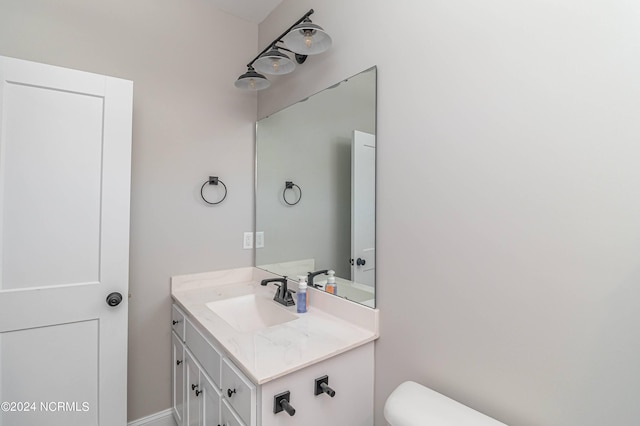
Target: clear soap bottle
x=331 y=286
x=302 y=295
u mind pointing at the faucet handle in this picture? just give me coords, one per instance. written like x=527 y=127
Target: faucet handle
x=284 y=297
x=288 y=297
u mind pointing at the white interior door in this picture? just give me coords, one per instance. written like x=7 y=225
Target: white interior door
x=65 y=161
x=363 y=208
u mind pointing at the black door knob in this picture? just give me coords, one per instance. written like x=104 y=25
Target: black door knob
x=360 y=262
x=114 y=299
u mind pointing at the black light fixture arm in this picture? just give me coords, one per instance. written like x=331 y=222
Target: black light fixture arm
x=279 y=38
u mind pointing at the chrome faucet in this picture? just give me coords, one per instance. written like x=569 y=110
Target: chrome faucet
x=283 y=294
x=312 y=275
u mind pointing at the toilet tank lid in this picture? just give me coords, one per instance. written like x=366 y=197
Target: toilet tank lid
x=412 y=404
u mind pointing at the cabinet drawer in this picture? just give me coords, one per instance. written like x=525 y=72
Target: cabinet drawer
x=239 y=391
x=228 y=416
x=208 y=357
x=177 y=321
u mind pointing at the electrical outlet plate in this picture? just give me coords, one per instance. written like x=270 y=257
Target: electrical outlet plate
x=247 y=241
x=259 y=239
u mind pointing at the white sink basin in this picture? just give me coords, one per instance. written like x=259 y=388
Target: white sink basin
x=250 y=313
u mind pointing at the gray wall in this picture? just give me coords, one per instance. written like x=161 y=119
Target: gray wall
x=189 y=122
x=508 y=197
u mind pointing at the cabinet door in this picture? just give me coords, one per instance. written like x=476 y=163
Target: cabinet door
x=193 y=411
x=228 y=417
x=239 y=391
x=178 y=378
x=210 y=402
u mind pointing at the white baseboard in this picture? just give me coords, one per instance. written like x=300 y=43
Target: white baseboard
x=163 y=418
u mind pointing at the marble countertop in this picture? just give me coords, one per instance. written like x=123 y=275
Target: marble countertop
x=331 y=326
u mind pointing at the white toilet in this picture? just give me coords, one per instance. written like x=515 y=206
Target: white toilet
x=412 y=404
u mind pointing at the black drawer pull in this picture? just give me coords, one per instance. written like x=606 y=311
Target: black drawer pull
x=322 y=386
x=281 y=402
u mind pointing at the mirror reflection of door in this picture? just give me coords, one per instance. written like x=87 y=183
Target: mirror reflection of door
x=363 y=208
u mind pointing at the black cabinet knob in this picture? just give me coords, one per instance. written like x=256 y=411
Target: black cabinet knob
x=193 y=387
x=198 y=392
x=114 y=299
x=230 y=392
x=178 y=362
x=174 y=322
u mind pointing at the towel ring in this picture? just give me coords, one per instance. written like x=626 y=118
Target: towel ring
x=213 y=180
x=290 y=185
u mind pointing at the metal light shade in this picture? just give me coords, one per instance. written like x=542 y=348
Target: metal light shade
x=274 y=62
x=251 y=80
x=307 y=38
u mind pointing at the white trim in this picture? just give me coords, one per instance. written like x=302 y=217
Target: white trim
x=162 y=418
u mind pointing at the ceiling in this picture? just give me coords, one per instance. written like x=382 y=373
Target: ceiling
x=251 y=10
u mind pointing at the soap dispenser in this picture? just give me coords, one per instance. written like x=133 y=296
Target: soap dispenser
x=303 y=296
x=331 y=286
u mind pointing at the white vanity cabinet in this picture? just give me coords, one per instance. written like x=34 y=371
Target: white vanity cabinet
x=209 y=389
x=197 y=387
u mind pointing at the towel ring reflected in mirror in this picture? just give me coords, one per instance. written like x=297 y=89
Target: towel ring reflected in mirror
x=290 y=185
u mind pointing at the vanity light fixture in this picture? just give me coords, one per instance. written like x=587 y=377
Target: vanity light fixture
x=303 y=38
x=251 y=80
x=274 y=62
x=307 y=38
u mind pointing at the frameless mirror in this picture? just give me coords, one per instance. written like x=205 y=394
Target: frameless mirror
x=315 y=188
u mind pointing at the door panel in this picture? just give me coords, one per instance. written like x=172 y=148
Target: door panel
x=65 y=159
x=52 y=160
x=63 y=354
